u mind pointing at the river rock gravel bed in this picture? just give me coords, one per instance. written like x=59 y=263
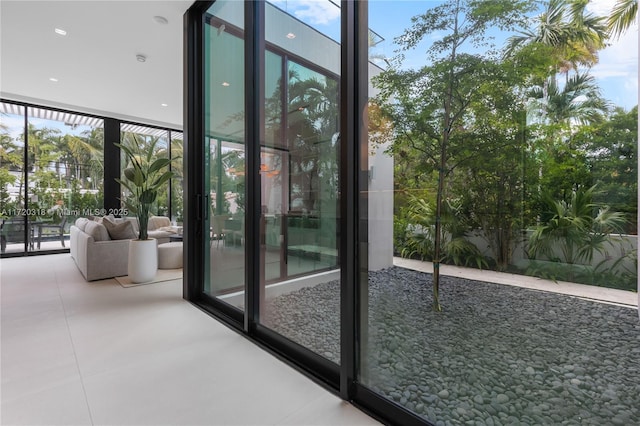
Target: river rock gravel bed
x=495 y=355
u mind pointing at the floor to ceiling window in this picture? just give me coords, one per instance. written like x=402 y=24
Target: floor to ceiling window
x=521 y=163
x=298 y=172
x=294 y=185
x=299 y=177
x=53 y=174
x=176 y=199
x=147 y=141
x=380 y=175
x=225 y=149
x=12 y=196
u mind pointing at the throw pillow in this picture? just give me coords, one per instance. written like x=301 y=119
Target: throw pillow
x=119 y=231
x=97 y=231
x=134 y=223
x=81 y=223
x=99 y=219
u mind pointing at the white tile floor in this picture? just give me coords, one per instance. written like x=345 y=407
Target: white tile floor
x=78 y=353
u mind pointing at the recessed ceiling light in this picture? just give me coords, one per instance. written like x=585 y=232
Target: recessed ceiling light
x=291 y=36
x=60 y=31
x=160 y=19
x=55 y=80
x=225 y=84
x=141 y=58
x=164 y=105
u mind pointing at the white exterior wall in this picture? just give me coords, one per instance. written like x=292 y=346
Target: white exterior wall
x=380 y=201
x=617 y=247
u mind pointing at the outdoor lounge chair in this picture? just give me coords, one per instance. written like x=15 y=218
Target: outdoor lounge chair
x=57 y=227
x=11 y=231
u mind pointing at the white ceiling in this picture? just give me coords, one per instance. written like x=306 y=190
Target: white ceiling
x=95 y=63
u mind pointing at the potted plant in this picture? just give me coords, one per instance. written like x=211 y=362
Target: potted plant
x=144 y=177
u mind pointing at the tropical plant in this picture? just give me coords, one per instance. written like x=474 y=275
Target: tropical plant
x=419 y=235
x=623 y=273
x=86 y=157
x=572 y=233
x=6 y=205
x=611 y=149
x=145 y=177
x=622 y=17
x=577 y=101
x=573 y=35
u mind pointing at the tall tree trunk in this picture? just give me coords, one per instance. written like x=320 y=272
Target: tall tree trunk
x=438 y=230
x=446 y=131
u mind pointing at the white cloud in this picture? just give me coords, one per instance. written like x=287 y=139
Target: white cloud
x=15 y=125
x=315 y=12
x=631 y=84
x=617 y=69
x=601 y=7
x=621 y=58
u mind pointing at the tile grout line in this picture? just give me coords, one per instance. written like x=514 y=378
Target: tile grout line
x=73 y=347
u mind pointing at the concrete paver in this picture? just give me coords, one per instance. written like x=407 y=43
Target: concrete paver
x=601 y=294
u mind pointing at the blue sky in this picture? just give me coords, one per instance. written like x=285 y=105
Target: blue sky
x=617 y=71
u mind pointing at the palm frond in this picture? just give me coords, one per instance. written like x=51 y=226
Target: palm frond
x=622 y=17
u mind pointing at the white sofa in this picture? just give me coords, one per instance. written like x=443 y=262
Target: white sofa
x=98 y=256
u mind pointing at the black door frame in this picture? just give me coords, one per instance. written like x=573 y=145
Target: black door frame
x=342 y=379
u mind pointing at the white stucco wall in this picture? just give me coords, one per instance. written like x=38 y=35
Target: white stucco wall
x=380 y=197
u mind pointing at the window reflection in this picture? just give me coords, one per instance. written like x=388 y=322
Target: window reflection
x=225 y=144
x=299 y=180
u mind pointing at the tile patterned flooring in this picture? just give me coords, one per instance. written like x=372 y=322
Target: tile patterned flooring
x=78 y=353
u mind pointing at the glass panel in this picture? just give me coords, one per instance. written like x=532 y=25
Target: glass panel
x=499 y=307
x=274 y=172
x=312 y=124
x=225 y=141
x=12 y=179
x=299 y=175
x=144 y=141
x=177 y=199
x=65 y=174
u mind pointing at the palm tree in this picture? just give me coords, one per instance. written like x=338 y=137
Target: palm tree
x=579 y=100
x=574 y=35
x=87 y=152
x=10 y=152
x=10 y=158
x=312 y=123
x=622 y=16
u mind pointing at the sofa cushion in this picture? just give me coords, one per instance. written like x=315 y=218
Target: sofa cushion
x=81 y=223
x=99 y=219
x=119 y=231
x=169 y=229
x=134 y=223
x=97 y=231
x=156 y=222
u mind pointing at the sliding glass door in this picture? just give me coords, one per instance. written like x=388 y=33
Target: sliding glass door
x=299 y=186
x=51 y=172
x=225 y=148
x=293 y=208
